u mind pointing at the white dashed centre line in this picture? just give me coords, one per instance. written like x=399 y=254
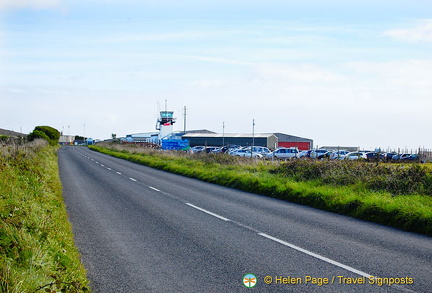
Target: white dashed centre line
x=208 y=212
x=155 y=189
x=118 y=173
x=132 y=179
x=335 y=263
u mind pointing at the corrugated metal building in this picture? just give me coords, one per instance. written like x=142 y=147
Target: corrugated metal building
x=286 y=140
x=218 y=139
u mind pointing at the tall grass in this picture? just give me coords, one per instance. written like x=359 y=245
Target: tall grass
x=328 y=187
x=37 y=252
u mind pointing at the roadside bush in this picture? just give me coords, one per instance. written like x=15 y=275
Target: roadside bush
x=396 y=179
x=48 y=133
x=37 y=252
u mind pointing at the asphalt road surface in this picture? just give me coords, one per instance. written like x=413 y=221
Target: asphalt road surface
x=145 y=230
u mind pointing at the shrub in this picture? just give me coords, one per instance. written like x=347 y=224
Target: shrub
x=396 y=179
x=48 y=133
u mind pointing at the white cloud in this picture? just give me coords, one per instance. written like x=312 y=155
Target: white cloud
x=37 y=4
x=422 y=33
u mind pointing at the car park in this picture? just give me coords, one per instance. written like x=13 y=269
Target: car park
x=284 y=153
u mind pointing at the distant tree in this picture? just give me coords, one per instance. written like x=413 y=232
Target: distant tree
x=48 y=133
x=114 y=136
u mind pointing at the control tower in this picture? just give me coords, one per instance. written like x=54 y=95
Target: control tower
x=165 y=123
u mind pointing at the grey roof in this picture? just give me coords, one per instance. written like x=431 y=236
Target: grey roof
x=286 y=137
x=228 y=135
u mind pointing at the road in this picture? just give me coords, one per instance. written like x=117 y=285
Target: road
x=143 y=230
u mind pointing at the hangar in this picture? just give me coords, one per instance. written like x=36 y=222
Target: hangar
x=218 y=139
x=270 y=140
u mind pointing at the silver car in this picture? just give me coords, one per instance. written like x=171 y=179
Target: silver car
x=284 y=153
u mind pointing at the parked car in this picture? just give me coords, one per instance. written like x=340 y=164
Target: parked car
x=387 y=157
x=374 y=156
x=260 y=150
x=411 y=158
x=210 y=149
x=338 y=154
x=245 y=153
x=304 y=154
x=355 y=156
x=400 y=157
x=319 y=154
x=197 y=149
x=284 y=153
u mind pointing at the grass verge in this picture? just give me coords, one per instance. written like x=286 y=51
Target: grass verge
x=408 y=212
x=37 y=251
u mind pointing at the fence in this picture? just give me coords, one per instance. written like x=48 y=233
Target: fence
x=425 y=155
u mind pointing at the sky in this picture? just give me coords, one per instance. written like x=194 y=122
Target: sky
x=348 y=73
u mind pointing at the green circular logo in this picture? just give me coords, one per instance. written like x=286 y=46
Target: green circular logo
x=249 y=280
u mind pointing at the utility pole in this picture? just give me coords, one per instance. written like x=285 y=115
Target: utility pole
x=253 y=132
x=223 y=133
x=184 y=119
x=253 y=135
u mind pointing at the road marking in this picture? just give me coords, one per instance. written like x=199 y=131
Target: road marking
x=208 y=212
x=118 y=173
x=102 y=165
x=109 y=169
x=155 y=189
x=338 y=264
x=132 y=179
x=92 y=160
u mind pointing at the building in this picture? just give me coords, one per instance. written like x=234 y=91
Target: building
x=218 y=139
x=66 y=139
x=337 y=148
x=152 y=137
x=286 y=140
x=270 y=140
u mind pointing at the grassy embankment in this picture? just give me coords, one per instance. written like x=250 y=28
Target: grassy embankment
x=37 y=251
x=398 y=196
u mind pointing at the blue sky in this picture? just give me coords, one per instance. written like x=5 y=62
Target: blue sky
x=354 y=73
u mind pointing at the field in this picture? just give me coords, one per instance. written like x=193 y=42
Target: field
x=394 y=195
x=37 y=252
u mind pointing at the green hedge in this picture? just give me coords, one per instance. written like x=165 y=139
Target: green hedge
x=37 y=251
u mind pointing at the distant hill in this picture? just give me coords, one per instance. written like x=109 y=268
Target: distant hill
x=11 y=133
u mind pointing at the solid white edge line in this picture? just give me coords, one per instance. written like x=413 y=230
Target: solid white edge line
x=208 y=212
x=132 y=179
x=155 y=189
x=338 y=264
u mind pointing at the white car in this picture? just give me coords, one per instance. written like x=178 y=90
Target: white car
x=284 y=153
x=355 y=156
x=338 y=155
x=260 y=150
x=245 y=153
